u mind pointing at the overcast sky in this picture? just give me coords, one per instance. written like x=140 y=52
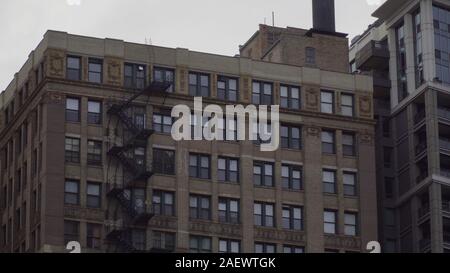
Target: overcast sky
x=214 y=26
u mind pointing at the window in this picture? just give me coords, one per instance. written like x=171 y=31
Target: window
x=94 y=156
x=229 y=246
x=164 y=161
x=93 y=236
x=228 y=210
x=139 y=117
x=72 y=150
x=229 y=129
x=227 y=88
x=94 y=112
x=139 y=156
x=263 y=174
x=72 y=110
x=264 y=248
x=347 y=107
x=327 y=102
x=290 y=97
x=348 y=144
x=95 y=73
x=290 y=137
x=310 y=55
x=139 y=239
x=163 y=203
x=199 y=166
x=349 y=184
x=134 y=76
x=293 y=249
x=165 y=75
x=328 y=142
x=228 y=170
x=198 y=84
x=94 y=195
x=329 y=220
x=329 y=181
x=162 y=123
x=264 y=215
x=387 y=156
x=292 y=218
x=200 y=207
x=72 y=192
x=401 y=63
x=73 y=68
x=200 y=244
x=262 y=93
x=291 y=177
x=163 y=241
x=71 y=231
x=350 y=224
x=389 y=187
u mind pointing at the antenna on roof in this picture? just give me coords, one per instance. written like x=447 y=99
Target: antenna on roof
x=273 y=18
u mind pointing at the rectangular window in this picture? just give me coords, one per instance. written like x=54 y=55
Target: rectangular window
x=73 y=110
x=164 y=161
x=165 y=75
x=291 y=177
x=199 y=84
x=329 y=181
x=228 y=170
x=348 y=144
x=329 y=222
x=94 y=112
x=164 y=203
x=310 y=55
x=227 y=129
x=164 y=241
x=94 y=236
x=350 y=224
x=139 y=239
x=328 y=142
x=134 y=76
x=95 y=72
x=262 y=93
x=162 y=123
x=263 y=174
x=264 y=215
x=73 y=69
x=349 y=184
x=290 y=97
x=71 y=231
x=293 y=249
x=72 y=192
x=228 y=210
x=227 y=88
x=94 y=195
x=72 y=149
x=199 y=166
x=347 y=102
x=265 y=248
x=200 y=207
x=291 y=137
x=292 y=218
x=229 y=246
x=327 y=102
x=94 y=155
x=200 y=244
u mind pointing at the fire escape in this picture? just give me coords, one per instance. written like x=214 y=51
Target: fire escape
x=135 y=174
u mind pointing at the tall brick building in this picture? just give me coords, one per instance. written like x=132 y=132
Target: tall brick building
x=86 y=154
x=406 y=51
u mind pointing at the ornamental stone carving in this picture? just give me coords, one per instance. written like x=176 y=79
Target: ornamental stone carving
x=312 y=98
x=113 y=71
x=365 y=106
x=56 y=61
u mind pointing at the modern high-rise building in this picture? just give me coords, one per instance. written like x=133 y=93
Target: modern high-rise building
x=86 y=152
x=407 y=52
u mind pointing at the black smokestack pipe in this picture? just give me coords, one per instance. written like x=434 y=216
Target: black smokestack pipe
x=323 y=15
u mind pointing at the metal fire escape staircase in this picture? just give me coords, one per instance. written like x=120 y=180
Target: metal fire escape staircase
x=137 y=174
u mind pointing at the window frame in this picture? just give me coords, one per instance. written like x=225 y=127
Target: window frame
x=261 y=93
x=323 y=104
x=90 y=197
x=326 y=145
x=93 y=241
x=199 y=210
x=287 y=102
x=347 y=186
x=291 y=141
x=70 y=70
x=94 y=152
x=353 y=226
x=95 y=61
x=291 y=219
x=72 y=194
x=163 y=204
x=227 y=89
x=198 y=167
x=334 y=183
x=263 y=222
x=70 y=113
x=347 y=147
x=263 y=176
x=94 y=118
x=345 y=106
x=200 y=242
x=161 y=127
x=165 y=71
x=226 y=216
x=134 y=79
x=228 y=173
x=70 y=155
x=196 y=90
x=229 y=245
x=165 y=163
x=334 y=223
x=290 y=178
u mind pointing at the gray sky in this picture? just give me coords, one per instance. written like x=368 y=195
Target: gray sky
x=214 y=26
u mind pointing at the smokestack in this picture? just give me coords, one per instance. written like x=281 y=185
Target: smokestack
x=323 y=15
